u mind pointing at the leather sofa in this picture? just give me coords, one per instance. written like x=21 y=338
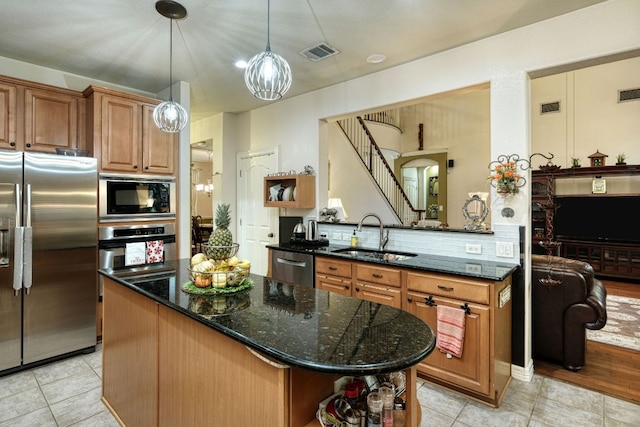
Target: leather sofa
x=566 y=300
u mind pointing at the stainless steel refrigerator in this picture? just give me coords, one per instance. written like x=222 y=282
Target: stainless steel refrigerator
x=48 y=244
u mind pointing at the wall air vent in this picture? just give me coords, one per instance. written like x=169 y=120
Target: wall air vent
x=318 y=51
x=628 y=95
x=550 y=107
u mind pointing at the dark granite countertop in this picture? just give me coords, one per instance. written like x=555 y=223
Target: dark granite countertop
x=478 y=269
x=297 y=325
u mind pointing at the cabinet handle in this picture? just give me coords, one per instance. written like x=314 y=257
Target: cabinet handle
x=13 y=144
x=377 y=276
x=332 y=268
x=445 y=288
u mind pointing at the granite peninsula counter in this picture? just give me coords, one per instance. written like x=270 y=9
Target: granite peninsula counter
x=268 y=358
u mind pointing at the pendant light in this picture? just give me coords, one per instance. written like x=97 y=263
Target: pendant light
x=170 y=116
x=268 y=75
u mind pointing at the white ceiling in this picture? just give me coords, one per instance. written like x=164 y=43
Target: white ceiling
x=126 y=42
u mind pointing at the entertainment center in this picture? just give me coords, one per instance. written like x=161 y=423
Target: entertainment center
x=594 y=219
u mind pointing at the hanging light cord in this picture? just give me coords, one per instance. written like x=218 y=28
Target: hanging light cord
x=268 y=25
x=170 y=59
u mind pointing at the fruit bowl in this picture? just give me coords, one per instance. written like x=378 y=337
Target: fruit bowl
x=218 y=279
x=220 y=252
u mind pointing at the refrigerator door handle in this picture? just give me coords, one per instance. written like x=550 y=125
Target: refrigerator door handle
x=18 y=243
x=28 y=242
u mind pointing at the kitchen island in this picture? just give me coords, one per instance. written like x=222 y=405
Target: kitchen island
x=265 y=356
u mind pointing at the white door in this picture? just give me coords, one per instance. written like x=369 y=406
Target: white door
x=258 y=225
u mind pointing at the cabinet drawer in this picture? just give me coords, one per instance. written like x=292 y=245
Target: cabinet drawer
x=333 y=267
x=379 y=294
x=374 y=274
x=333 y=284
x=462 y=289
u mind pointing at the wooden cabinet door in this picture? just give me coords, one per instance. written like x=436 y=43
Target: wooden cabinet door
x=387 y=295
x=8 y=116
x=158 y=147
x=470 y=371
x=333 y=284
x=51 y=120
x=120 y=134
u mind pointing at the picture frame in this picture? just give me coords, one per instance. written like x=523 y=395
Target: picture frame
x=598 y=186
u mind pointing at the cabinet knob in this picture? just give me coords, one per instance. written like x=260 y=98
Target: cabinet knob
x=346 y=287
x=146 y=167
x=13 y=144
x=409 y=299
x=28 y=145
x=135 y=166
x=270 y=235
x=357 y=289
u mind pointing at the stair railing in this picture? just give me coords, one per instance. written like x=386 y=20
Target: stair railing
x=372 y=158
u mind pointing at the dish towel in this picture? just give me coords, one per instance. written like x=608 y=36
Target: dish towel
x=155 y=251
x=134 y=253
x=450 y=326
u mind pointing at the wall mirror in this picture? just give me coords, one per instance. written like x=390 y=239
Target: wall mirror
x=475 y=211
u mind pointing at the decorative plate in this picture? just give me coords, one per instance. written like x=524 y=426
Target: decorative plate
x=192 y=289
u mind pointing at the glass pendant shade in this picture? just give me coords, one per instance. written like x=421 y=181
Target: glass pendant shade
x=170 y=116
x=268 y=76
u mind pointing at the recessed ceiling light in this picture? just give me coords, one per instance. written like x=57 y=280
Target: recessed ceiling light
x=241 y=64
x=376 y=58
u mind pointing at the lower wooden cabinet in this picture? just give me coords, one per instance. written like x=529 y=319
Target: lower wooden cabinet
x=484 y=369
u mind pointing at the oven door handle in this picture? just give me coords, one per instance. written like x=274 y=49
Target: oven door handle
x=291 y=262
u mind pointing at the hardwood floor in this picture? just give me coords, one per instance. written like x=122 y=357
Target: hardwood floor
x=610 y=370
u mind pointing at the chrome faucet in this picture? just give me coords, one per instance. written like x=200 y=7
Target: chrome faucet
x=384 y=239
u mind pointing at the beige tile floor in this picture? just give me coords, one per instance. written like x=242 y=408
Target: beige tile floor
x=67 y=393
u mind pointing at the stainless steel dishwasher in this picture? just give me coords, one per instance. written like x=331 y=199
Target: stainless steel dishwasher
x=292 y=267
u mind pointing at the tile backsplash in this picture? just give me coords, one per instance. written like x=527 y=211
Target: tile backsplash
x=435 y=242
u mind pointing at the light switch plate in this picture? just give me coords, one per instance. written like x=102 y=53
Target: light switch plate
x=504 y=249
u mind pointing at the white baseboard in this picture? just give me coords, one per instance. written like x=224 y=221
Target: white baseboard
x=523 y=374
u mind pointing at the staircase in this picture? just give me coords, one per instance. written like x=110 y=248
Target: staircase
x=356 y=131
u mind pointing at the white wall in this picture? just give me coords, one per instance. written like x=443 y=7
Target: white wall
x=590 y=116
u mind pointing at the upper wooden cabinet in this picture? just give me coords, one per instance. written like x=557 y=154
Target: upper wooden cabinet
x=8 y=115
x=37 y=117
x=298 y=191
x=124 y=135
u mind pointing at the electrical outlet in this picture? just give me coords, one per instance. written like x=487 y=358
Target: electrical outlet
x=474 y=249
x=346 y=237
x=504 y=249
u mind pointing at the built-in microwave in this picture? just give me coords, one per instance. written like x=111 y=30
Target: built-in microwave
x=124 y=197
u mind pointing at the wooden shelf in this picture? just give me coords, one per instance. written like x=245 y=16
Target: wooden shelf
x=305 y=191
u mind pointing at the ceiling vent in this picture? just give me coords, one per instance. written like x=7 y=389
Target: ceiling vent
x=550 y=107
x=318 y=52
x=628 y=95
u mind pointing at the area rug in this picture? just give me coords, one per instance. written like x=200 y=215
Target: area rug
x=623 y=324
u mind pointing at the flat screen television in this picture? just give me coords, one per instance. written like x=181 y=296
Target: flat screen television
x=598 y=218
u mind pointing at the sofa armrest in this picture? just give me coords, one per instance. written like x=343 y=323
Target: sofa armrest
x=597 y=299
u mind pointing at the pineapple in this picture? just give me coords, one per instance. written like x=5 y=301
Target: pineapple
x=221 y=236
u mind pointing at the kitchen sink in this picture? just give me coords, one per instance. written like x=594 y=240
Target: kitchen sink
x=375 y=254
